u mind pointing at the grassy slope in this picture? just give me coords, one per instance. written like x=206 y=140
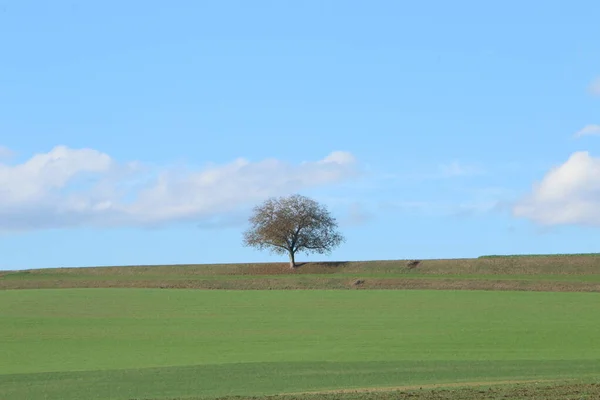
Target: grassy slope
x=540 y=273
x=106 y=343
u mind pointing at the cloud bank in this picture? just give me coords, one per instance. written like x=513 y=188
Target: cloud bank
x=568 y=195
x=67 y=188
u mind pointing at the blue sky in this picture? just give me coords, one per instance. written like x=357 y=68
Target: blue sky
x=142 y=132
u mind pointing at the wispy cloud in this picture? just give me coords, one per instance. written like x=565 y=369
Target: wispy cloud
x=452 y=170
x=588 y=130
x=5 y=153
x=594 y=87
x=443 y=209
x=357 y=215
x=464 y=203
x=456 y=169
x=84 y=187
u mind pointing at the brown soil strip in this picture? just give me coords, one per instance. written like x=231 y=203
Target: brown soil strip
x=325 y=282
x=505 y=390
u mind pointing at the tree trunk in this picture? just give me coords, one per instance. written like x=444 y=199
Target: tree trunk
x=292 y=260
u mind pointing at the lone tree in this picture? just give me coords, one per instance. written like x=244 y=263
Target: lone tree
x=287 y=225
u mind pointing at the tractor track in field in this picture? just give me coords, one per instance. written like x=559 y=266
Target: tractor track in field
x=452 y=385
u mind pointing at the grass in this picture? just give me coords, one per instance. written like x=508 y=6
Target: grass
x=269 y=379
x=510 y=327
x=542 y=255
x=575 y=273
x=167 y=344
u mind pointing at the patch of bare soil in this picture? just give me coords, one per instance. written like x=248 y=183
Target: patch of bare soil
x=463 y=391
x=483 y=284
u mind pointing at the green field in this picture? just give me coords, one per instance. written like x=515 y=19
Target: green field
x=167 y=343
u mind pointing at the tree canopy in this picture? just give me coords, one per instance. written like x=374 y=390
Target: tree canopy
x=287 y=225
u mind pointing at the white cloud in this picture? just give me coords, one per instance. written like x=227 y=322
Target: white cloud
x=568 y=194
x=588 y=130
x=595 y=87
x=339 y=157
x=84 y=187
